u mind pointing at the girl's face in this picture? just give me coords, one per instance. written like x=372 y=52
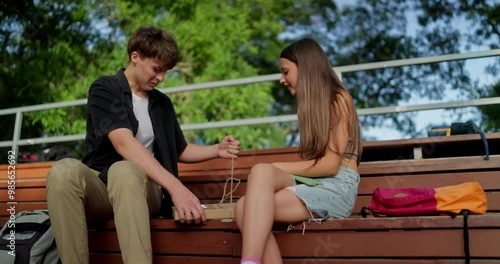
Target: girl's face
x=289 y=74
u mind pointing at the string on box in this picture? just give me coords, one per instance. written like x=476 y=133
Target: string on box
x=231 y=181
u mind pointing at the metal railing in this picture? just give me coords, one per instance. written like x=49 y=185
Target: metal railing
x=19 y=111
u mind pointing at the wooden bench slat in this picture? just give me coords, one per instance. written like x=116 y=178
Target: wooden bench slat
x=486 y=221
x=491 y=220
x=116 y=259
x=489 y=180
x=209 y=188
x=385 y=168
x=186 y=242
x=436 y=243
x=24 y=183
x=25 y=195
x=23 y=172
x=365 y=168
x=460 y=139
x=21 y=207
x=48 y=164
x=492 y=197
x=429 y=260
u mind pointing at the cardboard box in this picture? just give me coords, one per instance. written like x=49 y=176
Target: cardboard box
x=214 y=211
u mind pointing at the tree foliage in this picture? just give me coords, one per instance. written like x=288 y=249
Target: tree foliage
x=479 y=20
x=48 y=49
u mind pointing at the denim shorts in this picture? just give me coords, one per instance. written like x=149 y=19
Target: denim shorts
x=332 y=197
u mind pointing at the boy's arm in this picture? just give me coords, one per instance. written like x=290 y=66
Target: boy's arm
x=227 y=148
x=186 y=203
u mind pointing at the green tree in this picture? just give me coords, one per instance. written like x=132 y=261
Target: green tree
x=223 y=40
x=480 y=20
x=48 y=50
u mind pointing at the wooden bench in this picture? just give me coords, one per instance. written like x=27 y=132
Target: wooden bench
x=354 y=240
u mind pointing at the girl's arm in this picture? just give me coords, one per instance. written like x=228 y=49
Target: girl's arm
x=330 y=163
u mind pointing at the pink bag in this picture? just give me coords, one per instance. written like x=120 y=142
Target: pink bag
x=403 y=201
x=466 y=198
x=451 y=200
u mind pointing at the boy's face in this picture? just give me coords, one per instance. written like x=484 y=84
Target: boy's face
x=148 y=71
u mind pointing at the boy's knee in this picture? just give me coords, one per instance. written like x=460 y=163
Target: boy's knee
x=127 y=173
x=63 y=173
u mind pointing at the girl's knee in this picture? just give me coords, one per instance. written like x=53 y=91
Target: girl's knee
x=260 y=170
x=238 y=211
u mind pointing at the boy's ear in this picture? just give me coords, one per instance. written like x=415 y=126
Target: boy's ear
x=134 y=56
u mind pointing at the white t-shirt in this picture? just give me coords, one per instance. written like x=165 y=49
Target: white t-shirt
x=145 y=133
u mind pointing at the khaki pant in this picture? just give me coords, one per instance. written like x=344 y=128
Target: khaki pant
x=75 y=195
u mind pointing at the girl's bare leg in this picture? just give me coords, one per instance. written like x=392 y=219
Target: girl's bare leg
x=267 y=201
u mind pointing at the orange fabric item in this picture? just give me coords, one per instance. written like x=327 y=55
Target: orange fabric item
x=466 y=196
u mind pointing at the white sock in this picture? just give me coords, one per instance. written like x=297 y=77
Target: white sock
x=250 y=261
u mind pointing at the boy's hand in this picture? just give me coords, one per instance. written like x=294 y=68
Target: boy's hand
x=229 y=147
x=188 y=206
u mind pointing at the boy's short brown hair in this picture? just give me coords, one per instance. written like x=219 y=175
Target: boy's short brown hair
x=155 y=43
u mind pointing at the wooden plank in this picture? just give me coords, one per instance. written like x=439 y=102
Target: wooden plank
x=48 y=164
x=25 y=195
x=432 y=147
x=116 y=259
x=196 y=243
x=23 y=171
x=362 y=200
x=430 y=165
x=379 y=168
x=489 y=180
x=427 y=260
x=214 y=170
x=455 y=139
x=490 y=220
x=21 y=207
x=25 y=183
x=394 y=244
x=208 y=187
x=246 y=159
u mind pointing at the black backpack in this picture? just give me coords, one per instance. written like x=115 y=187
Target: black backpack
x=458 y=128
x=27 y=238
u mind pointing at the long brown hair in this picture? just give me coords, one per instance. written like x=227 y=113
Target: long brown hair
x=319 y=109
